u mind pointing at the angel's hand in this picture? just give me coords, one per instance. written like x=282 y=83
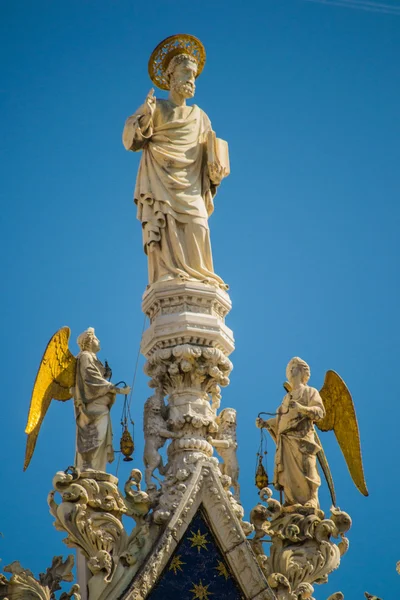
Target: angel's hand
x=260 y=423
x=124 y=390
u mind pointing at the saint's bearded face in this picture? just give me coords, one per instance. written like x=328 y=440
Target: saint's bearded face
x=183 y=78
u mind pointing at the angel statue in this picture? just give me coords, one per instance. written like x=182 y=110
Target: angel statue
x=62 y=376
x=182 y=165
x=297 y=443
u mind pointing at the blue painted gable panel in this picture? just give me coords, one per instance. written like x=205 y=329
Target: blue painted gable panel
x=197 y=569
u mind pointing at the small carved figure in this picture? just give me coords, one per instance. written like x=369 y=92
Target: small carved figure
x=297 y=442
x=62 y=376
x=156 y=434
x=137 y=502
x=226 y=444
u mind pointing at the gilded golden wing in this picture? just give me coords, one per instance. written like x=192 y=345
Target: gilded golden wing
x=341 y=418
x=55 y=377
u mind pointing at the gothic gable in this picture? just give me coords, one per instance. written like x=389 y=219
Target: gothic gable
x=205 y=507
x=197 y=569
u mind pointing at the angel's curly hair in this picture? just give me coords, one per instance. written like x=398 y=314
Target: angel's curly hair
x=224 y=411
x=84 y=340
x=298 y=362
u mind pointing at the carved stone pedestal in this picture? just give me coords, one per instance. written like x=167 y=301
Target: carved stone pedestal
x=90 y=511
x=187 y=347
x=187 y=312
x=302 y=551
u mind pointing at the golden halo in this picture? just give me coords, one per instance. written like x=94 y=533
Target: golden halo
x=182 y=43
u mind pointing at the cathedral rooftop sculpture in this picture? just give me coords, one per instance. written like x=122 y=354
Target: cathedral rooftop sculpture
x=191 y=503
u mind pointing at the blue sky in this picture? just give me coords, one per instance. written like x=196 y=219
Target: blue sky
x=305 y=229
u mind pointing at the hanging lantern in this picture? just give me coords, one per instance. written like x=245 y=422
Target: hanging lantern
x=261 y=475
x=127 y=445
x=261 y=478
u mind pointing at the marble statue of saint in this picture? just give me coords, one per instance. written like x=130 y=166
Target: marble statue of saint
x=297 y=443
x=296 y=470
x=177 y=179
x=62 y=376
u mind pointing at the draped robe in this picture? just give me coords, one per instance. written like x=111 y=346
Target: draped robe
x=93 y=398
x=296 y=447
x=173 y=193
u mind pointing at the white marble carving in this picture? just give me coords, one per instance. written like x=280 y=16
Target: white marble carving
x=296 y=443
x=62 y=376
x=127 y=565
x=302 y=551
x=192 y=376
x=224 y=440
x=91 y=512
x=156 y=434
x=186 y=313
x=203 y=485
x=93 y=397
x=22 y=584
x=175 y=186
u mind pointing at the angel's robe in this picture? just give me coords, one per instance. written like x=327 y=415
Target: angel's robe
x=296 y=470
x=174 y=194
x=93 y=398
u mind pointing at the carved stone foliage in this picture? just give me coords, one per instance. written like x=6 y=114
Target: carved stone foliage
x=22 y=584
x=302 y=551
x=283 y=589
x=189 y=367
x=91 y=513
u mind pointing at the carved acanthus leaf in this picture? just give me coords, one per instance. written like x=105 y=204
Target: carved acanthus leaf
x=22 y=584
x=302 y=550
x=90 y=512
x=188 y=366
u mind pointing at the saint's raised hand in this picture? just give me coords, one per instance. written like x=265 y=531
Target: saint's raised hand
x=150 y=102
